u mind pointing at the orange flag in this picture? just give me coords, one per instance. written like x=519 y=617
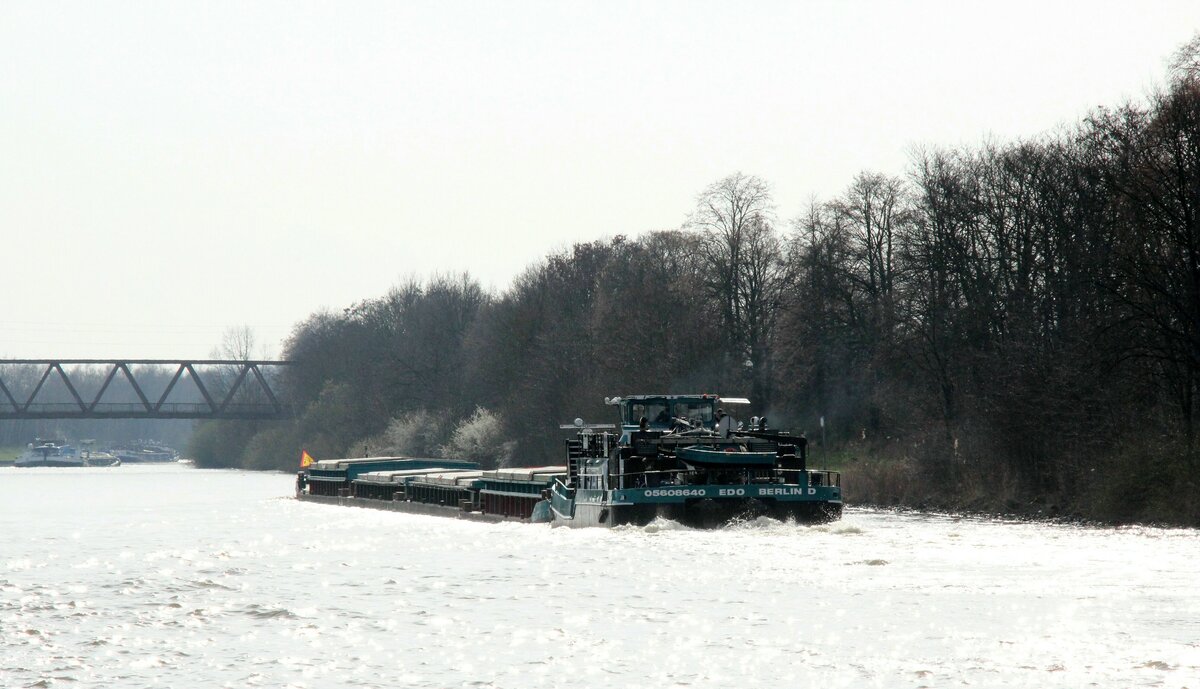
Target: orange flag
x=305 y=459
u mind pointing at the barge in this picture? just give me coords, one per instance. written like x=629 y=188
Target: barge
x=336 y=477
x=444 y=487
x=679 y=457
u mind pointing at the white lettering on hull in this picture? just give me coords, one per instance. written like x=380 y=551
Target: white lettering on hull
x=787 y=491
x=675 y=493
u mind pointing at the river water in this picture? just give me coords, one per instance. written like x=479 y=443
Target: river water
x=168 y=576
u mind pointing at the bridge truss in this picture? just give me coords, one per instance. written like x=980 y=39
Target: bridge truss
x=220 y=397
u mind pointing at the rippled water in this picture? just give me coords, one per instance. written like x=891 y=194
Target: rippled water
x=165 y=576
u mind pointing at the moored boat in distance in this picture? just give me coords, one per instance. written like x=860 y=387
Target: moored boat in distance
x=101 y=458
x=97 y=458
x=49 y=453
x=58 y=453
x=145 y=452
x=681 y=457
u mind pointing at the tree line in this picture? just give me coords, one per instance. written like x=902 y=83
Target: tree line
x=1010 y=326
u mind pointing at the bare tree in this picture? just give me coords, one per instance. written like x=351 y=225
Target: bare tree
x=871 y=215
x=746 y=273
x=1185 y=61
x=1157 y=182
x=237 y=344
x=764 y=284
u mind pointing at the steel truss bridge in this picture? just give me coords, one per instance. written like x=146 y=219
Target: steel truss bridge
x=248 y=376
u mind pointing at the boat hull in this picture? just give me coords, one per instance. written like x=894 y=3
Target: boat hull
x=95 y=461
x=145 y=459
x=703 y=507
x=48 y=463
x=408 y=507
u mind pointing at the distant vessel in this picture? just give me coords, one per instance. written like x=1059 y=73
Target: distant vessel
x=146 y=453
x=97 y=458
x=101 y=458
x=45 y=453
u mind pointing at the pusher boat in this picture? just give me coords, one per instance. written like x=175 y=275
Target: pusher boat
x=681 y=457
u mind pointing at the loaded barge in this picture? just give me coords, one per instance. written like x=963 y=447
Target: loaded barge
x=442 y=487
x=679 y=457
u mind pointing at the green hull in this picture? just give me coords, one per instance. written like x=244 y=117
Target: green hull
x=697 y=506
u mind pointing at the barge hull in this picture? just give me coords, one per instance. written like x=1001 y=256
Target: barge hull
x=709 y=513
x=701 y=514
x=408 y=507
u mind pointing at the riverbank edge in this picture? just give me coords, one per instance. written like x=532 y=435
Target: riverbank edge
x=896 y=485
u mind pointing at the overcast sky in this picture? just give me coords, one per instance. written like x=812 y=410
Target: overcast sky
x=169 y=170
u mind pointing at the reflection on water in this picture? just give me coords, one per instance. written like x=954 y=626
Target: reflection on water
x=156 y=576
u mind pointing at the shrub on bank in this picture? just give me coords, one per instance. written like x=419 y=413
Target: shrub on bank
x=419 y=433
x=481 y=438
